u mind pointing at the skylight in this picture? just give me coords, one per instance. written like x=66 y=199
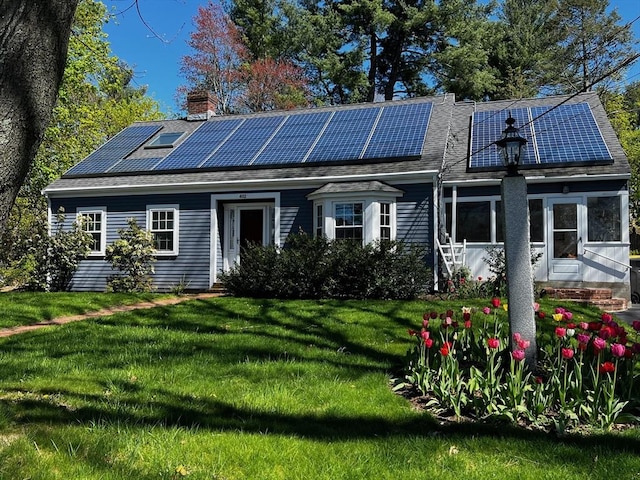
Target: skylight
x=164 y=140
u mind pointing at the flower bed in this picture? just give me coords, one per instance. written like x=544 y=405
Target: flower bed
x=468 y=365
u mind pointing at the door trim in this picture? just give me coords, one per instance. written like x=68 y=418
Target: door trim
x=565 y=269
x=216 y=251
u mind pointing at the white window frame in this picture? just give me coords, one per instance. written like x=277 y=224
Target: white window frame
x=102 y=211
x=371 y=214
x=175 y=209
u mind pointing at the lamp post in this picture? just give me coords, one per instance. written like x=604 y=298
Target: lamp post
x=515 y=211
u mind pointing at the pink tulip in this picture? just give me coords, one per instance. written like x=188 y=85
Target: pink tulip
x=617 y=350
x=518 y=355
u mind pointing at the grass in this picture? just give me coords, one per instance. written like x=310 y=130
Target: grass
x=232 y=388
x=24 y=308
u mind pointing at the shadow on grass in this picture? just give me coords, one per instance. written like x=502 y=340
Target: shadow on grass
x=209 y=414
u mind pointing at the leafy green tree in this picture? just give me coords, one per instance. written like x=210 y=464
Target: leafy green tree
x=133 y=256
x=260 y=23
x=593 y=44
x=317 y=36
x=462 y=63
x=522 y=55
x=95 y=101
x=623 y=109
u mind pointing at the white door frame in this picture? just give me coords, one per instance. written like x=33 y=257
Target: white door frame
x=569 y=268
x=218 y=259
x=232 y=224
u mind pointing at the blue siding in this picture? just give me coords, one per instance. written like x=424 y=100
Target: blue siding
x=191 y=267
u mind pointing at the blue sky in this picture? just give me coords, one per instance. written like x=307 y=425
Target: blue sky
x=156 y=61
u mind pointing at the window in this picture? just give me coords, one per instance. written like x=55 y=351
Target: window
x=319 y=221
x=162 y=222
x=536 y=221
x=473 y=221
x=603 y=219
x=385 y=221
x=164 y=140
x=93 y=220
x=349 y=222
x=360 y=211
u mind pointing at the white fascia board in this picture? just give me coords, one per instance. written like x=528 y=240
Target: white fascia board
x=538 y=179
x=417 y=176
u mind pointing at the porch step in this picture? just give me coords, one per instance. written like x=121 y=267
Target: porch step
x=598 y=297
x=218 y=288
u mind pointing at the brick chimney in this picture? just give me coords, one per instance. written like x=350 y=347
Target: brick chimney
x=200 y=106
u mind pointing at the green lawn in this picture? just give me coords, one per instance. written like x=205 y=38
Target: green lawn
x=24 y=308
x=231 y=388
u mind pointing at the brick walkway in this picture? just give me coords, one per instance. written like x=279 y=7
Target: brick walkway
x=7 y=332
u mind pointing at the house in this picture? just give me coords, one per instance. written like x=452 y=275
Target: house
x=418 y=170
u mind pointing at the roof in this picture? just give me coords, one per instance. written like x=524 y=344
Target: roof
x=456 y=167
x=370 y=142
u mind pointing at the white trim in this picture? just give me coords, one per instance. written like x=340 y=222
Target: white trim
x=81 y=211
x=175 y=209
x=370 y=211
x=228 y=186
x=214 y=235
x=538 y=179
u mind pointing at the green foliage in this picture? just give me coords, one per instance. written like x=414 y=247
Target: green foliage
x=466 y=364
x=51 y=260
x=497 y=264
x=310 y=267
x=95 y=101
x=133 y=255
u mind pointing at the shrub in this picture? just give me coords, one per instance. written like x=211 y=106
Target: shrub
x=497 y=264
x=310 y=267
x=133 y=255
x=51 y=260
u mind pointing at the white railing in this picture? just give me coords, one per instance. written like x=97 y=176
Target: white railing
x=622 y=264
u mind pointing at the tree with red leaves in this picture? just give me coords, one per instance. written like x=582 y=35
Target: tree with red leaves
x=222 y=65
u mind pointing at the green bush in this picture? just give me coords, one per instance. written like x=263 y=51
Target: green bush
x=133 y=255
x=310 y=267
x=51 y=260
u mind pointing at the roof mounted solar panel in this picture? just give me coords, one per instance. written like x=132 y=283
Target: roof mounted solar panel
x=245 y=143
x=294 y=139
x=561 y=135
x=487 y=127
x=400 y=131
x=346 y=135
x=195 y=149
x=123 y=144
x=569 y=134
x=135 y=165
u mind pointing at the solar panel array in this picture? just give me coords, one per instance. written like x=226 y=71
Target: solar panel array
x=123 y=144
x=349 y=134
x=567 y=134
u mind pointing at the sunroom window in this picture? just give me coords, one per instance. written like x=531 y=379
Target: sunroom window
x=603 y=219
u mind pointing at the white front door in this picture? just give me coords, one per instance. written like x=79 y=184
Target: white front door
x=245 y=224
x=565 y=239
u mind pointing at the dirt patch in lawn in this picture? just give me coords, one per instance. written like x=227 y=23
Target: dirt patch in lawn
x=7 y=332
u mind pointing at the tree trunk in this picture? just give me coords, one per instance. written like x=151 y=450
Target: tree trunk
x=34 y=35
